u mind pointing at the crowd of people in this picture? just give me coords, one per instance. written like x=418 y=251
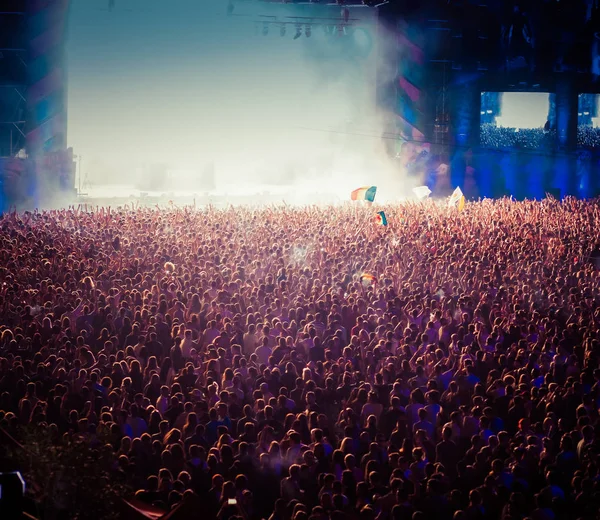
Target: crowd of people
x=499 y=137
x=495 y=137
x=588 y=137
x=308 y=363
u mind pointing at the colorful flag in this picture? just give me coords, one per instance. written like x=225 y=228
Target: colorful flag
x=365 y=193
x=381 y=218
x=457 y=199
x=422 y=192
x=367 y=279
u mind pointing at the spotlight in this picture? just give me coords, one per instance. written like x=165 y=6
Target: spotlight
x=298 y=32
x=282 y=30
x=308 y=31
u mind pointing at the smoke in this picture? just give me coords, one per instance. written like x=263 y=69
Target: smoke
x=197 y=92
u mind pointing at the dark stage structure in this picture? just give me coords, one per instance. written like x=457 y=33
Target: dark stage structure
x=454 y=61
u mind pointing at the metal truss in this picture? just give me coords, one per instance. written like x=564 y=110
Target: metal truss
x=13 y=78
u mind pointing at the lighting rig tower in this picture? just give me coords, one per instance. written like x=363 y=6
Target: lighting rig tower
x=13 y=77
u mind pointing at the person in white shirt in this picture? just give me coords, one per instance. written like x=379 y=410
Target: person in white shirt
x=264 y=352
x=187 y=344
x=211 y=333
x=250 y=340
x=162 y=403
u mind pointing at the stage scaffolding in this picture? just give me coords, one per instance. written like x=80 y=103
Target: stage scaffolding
x=13 y=78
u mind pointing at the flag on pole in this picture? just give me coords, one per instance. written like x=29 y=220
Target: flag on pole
x=365 y=193
x=381 y=218
x=457 y=199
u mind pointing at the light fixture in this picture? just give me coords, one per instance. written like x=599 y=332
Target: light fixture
x=298 y=32
x=308 y=31
x=265 y=29
x=282 y=30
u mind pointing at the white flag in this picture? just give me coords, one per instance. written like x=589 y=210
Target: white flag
x=455 y=197
x=422 y=192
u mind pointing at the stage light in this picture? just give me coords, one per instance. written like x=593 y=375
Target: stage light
x=230 y=8
x=298 y=32
x=282 y=30
x=308 y=31
x=265 y=29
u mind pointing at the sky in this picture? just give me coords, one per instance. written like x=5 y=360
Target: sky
x=182 y=84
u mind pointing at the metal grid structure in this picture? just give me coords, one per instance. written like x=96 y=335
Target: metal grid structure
x=335 y=18
x=13 y=77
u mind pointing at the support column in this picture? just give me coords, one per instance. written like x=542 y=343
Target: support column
x=46 y=99
x=566 y=135
x=466 y=106
x=410 y=97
